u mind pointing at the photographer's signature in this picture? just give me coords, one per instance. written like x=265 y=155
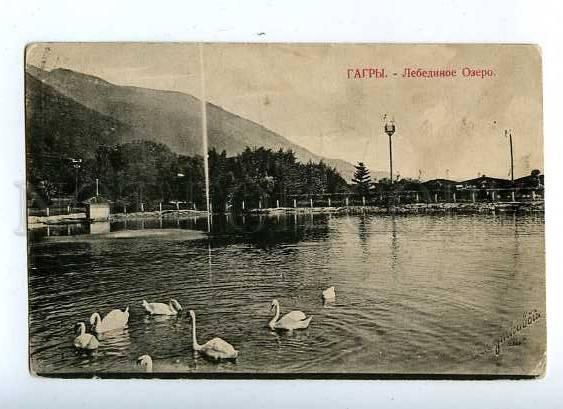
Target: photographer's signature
x=528 y=319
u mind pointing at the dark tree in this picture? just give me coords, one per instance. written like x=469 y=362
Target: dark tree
x=362 y=180
x=150 y=173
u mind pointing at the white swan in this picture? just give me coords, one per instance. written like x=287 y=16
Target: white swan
x=115 y=319
x=329 y=294
x=84 y=340
x=215 y=348
x=146 y=362
x=290 y=321
x=158 y=308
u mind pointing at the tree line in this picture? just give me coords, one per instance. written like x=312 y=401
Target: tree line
x=149 y=172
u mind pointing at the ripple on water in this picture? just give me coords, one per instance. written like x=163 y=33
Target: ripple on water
x=414 y=294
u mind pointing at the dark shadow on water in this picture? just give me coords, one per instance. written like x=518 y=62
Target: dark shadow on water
x=266 y=232
x=363 y=231
x=261 y=231
x=394 y=246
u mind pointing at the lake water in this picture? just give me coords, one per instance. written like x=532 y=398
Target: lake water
x=414 y=294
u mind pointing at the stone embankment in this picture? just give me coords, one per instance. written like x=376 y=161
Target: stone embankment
x=416 y=208
x=413 y=208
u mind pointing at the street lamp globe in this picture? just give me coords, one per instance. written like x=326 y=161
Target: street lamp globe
x=390 y=128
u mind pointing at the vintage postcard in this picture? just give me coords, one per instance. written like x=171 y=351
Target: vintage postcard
x=285 y=210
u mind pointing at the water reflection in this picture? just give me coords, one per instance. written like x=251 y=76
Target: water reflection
x=363 y=232
x=431 y=287
x=99 y=228
x=394 y=246
x=115 y=342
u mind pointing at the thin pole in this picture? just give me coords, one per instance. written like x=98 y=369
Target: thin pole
x=390 y=160
x=204 y=135
x=511 y=159
x=75 y=185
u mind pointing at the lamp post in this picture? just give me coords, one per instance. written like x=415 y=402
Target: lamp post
x=508 y=133
x=390 y=130
x=76 y=164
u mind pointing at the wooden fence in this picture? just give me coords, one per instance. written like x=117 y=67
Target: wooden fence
x=501 y=195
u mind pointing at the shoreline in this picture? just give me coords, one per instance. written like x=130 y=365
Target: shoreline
x=412 y=208
x=416 y=208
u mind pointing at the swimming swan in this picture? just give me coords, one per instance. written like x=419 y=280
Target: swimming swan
x=158 y=308
x=84 y=340
x=329 y=294
x=215 y=348
x=115 y=319
x=146 y=362
x=290 y=321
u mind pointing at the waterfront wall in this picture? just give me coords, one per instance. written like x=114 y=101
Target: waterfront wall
x=412 y=208
x=415 y=208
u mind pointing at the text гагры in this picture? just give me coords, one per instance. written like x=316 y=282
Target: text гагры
x=380 y=73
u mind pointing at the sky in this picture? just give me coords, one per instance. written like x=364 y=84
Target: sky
x=445 y=127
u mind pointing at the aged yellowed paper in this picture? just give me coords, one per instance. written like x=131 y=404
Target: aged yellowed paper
x=285 y=210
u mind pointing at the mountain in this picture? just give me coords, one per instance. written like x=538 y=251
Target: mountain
x=169 y=117
x=59 y=128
